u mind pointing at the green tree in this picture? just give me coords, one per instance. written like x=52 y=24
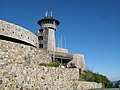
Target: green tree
x=96 y=77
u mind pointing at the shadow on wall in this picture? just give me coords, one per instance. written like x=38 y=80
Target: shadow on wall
x=15 y=40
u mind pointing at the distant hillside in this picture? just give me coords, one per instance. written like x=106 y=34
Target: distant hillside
x=116 y=84
x=113 y=82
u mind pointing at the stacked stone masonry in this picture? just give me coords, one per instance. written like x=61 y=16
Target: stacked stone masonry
x=20 y=70
x=17 y=32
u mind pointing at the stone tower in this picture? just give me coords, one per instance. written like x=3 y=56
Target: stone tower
x=46 y=33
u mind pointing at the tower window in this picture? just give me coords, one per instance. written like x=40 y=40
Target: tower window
x=52 y=22
x=40 y=37
x=40 y=45
x=41 y=30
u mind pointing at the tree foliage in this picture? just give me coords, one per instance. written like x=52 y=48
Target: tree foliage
x=89 y=75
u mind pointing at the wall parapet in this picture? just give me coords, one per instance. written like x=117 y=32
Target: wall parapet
x=17 y=32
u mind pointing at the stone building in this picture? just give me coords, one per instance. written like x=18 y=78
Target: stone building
x=46 y=37
x=21 y=52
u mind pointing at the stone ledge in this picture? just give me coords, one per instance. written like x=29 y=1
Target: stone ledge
x=14 y=31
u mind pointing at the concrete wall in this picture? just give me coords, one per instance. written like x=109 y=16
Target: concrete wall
x=17 y=32
x=63 y=50
x=79 y=61
x=48 y=25
x=51 y=40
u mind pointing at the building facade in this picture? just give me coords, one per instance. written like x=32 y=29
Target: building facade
x=46 y=37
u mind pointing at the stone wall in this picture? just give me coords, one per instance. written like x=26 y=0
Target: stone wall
x=17 y=32
x=11 y=52
x=20 y=70
x=83 y=85
x=34 y=77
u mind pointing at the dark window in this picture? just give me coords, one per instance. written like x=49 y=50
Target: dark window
x=40 y=37
x=41 y=30
x=40 y=45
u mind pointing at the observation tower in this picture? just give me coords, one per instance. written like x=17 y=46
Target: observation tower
x=46 y=33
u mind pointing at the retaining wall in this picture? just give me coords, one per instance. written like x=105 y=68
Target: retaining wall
x=20 y=70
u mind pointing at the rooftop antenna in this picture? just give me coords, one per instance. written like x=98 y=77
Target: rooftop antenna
x=65 y=41
x=51 y=13
x=46 y=13
x=61 y=42
x=61 y=47
x=58 y=42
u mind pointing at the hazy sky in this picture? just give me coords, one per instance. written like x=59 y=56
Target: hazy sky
x=90 y=27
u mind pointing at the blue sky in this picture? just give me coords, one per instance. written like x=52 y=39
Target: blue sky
x=91 y=27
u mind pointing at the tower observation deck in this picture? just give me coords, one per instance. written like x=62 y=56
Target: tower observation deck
x=48 y=22
x=46 y=33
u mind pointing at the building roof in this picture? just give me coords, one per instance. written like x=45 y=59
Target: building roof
x=48 y=18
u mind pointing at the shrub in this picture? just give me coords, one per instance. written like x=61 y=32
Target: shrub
x=55 y=63
x=43 y=64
